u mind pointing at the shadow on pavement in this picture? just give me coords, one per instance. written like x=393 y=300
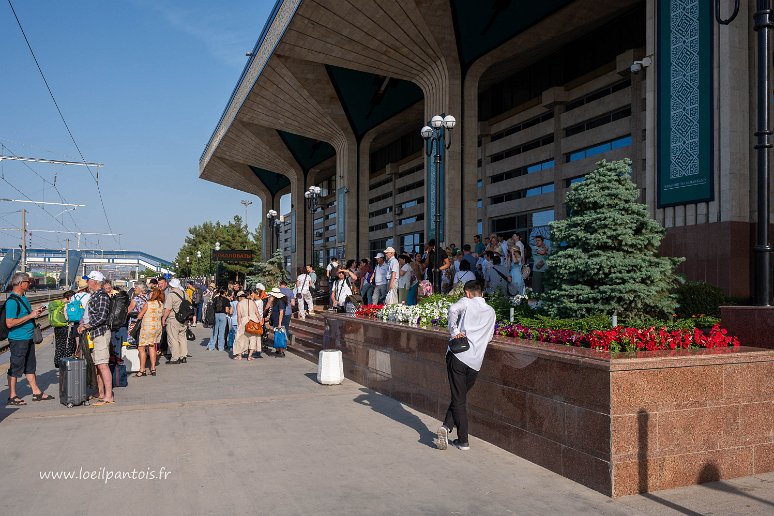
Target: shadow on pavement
x=395 y=411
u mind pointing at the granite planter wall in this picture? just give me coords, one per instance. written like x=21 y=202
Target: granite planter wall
x=620 y=425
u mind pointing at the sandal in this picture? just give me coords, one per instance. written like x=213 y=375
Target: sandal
x=140 y=374
x=42 y=397
x=153 y=372
x=16 y=401
x=102 y=403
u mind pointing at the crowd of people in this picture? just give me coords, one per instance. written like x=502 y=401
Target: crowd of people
x=504 y=265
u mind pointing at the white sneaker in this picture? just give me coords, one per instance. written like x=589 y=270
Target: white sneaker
x=460 y=445
x=443 y=438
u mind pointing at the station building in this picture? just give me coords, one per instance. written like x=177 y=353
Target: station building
x=335 y=94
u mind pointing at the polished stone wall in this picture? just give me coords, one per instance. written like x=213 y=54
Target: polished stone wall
x=629 y=424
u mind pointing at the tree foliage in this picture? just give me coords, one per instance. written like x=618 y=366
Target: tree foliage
x=270 y=273
x=608 y=257
x=233 y=235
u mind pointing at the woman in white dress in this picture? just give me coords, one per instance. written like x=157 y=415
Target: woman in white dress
x=247 y=309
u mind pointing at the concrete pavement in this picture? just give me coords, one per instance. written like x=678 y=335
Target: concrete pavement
x=263 y=437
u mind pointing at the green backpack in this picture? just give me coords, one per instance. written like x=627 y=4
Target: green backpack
x=56 y=313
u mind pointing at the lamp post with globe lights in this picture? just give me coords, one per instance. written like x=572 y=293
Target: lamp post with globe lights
x=434 y=134
x=271 y=216
x=312 y=197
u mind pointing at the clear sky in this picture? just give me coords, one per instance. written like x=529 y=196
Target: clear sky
x=142 y=84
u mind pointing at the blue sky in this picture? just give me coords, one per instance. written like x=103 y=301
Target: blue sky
x=142 y=84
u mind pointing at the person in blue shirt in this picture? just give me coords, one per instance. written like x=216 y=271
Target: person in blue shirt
x=20 y=318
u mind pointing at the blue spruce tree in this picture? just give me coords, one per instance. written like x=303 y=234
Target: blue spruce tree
x=609 y=255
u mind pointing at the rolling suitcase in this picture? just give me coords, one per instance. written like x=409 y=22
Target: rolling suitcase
x=72 y=382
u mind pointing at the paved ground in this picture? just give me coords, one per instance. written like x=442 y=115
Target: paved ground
x=263 y=437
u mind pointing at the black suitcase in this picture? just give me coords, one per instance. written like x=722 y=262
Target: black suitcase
x=72 y=382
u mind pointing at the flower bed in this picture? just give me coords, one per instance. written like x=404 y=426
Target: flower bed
x=625 y=339
x=432 y=312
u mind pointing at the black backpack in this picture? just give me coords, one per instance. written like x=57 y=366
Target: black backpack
x=209 y=315
x=4 y=329
x=186 y=310
x=119 y=311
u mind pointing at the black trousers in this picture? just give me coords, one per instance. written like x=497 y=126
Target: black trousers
x=461 y=380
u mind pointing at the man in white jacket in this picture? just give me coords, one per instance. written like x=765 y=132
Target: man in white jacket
x=469 y=317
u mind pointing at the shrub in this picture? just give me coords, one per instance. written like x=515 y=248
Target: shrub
x=697 y=298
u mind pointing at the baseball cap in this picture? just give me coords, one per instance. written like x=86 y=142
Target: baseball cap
x=379 y=255
x=389 y=250
x=95 y=275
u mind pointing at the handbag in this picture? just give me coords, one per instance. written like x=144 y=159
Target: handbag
x=37 y=334
x=135 y=333
x=189 y=334
x=252 y=327
x=392 y=297
x=459 y=344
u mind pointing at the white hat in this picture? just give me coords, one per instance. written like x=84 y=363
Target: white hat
x=389 y=250
x=175 y=283
x=379 y=255
x=276 y=292
x=95 y=275
x=260 y=286
x=241 y=293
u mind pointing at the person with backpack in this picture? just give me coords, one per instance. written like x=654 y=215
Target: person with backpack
x=177 y=309
x=196 y=301
x=119 y=317
x=64 y=333
x=18 y=320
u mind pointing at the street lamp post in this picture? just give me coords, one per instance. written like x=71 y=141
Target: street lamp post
x=312 y=203
x=214 y=276
x=271 y=216
x=762 y=24
x=198 y=260
x=434 y=135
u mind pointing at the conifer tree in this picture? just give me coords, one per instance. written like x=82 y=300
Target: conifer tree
x=608 y=257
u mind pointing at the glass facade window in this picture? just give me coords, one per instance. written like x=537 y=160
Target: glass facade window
x=479 y=183
x=318 y=220
x=331 y=239
x=380 y=197
x=521 y=149
x=410 y=171
x=412 y=242
x=330 y=216
x=522 y=171
x=599 y=94
x=479 y=226
x=397 y=150
x=411 y=186
x=383 y=225
x=330 y=227
x=599 y=121
x=381 y=183
x=523 y=125
x=383 y=211
x=573 y=180
x=377 y=246
x=413 y=202
x=410 y=220
x=618 y=143
x=328 y=186
x=524 y=223
x=521 y=194
x=479 y=203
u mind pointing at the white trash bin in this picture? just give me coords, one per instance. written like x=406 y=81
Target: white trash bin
x=131 y=357
x=330 y=367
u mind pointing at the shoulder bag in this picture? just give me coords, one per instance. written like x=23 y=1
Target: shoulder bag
x=252 y=327
x=459 y=344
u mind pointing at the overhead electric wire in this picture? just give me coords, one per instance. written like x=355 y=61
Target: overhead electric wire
x=51 y=93
x=53 y=184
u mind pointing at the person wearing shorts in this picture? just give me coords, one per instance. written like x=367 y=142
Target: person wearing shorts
x=20 y=318
x=97 y=328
